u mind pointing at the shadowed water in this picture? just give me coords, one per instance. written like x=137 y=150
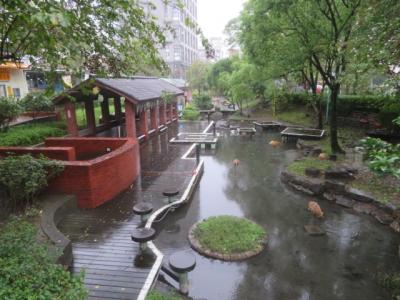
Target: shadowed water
x=343 y=264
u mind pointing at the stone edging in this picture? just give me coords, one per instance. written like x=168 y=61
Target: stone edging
x=339 y=193
x=194 y=242
x=54 y=210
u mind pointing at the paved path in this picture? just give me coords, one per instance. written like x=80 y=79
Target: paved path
x=101 y=237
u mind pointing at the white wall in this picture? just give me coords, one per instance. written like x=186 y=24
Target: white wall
x=17 y=80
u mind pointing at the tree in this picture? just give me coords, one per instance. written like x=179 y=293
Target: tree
x=198 y=76
x=9 y=109
x=321 y=29
x=221 y=66
x=109 y=37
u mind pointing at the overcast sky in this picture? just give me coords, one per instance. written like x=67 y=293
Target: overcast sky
x=213 y=15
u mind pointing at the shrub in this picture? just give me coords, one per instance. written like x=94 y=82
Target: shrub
x=9 y=109
x=384 y=158
x=35 y=102
x=28 y=135
x=27 y=270
x=191 y=114
x=202 y=101
x=25 y=176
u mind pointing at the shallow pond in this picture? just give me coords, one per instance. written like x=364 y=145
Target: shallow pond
x=343 y=264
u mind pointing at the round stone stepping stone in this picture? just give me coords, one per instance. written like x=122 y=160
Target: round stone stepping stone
x=182 y=262
x=143 y=235
x=143 y=208
x=171 y=193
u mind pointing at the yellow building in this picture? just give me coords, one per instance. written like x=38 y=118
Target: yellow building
x=12 y=80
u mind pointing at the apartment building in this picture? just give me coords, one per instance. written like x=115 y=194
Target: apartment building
x=181 y=49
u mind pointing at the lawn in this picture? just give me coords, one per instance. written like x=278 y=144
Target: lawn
x=31 y=134
x=298 y=167
x=229 y=235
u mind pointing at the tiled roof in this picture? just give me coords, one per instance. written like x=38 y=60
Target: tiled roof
x=135 y=89
x=140 y=88
x=179 y=83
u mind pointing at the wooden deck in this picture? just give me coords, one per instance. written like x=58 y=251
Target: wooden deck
x=102 y=245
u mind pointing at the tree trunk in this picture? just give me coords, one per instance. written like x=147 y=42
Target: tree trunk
x=320 y=114
x=335 y=147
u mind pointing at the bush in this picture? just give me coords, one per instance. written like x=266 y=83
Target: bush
x=9 y=109
x=35 y=102
x=25 y=176
x=202 y=101
x=29 y=135
x=191 y=114
x=27 y=270
x=384 y=158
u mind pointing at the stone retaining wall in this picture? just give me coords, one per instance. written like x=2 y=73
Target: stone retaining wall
x=342 y=194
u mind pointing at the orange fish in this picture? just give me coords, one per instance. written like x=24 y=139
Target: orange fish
x=275 y=143
x=315 y=209
x=236 y=162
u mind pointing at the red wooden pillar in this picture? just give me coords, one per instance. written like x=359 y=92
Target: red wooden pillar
x=90 y=116
x=154 y=117
x=118 y=110
x=130 y=119
x=162 y=114
x=70 y=116
x=175 y=110
x=105 y=111
x=144 y=124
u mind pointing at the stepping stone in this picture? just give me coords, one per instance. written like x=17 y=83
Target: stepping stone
x=143 y=235
x=171 y=193
x=314 y=230
x=143 y=208
x=345 y=202
x=182 y=262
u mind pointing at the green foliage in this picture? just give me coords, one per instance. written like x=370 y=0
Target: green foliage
x=25 y=176
x=197 y=76
x=391 y=282
x=228 y=234
x=27 y=270
x=96 y=36
x=35 y=102
x=154 y=295
x=9 y=109
x=29 y=135
x=190 y=113
x=202 y=101
x=298 y=167
x=384 y=158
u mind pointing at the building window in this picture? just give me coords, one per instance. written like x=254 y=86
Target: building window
x=176 y=14
x=17 y=93
x=4 y=75
x=177 y=53
x=3 y=92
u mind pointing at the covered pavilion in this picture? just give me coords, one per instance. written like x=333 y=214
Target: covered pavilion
x=144 y=104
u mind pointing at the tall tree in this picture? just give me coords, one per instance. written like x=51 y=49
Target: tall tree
x=322 y=28
x=198 y=76
x=113 y=37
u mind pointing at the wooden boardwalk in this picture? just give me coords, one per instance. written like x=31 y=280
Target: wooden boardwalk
x=102 y=245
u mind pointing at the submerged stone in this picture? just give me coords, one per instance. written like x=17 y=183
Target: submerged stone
x=382 y=217
x=345 y=202
x=364 y=208
x=314 y=230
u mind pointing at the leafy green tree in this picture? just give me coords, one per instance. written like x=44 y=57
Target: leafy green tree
x=198 y=76
x=202 y=101
x=221 y=66
x=37 y=102
x=110 y=37
x=320 y=29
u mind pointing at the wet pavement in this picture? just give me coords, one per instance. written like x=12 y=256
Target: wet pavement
x=343 y=264
x=101 y=237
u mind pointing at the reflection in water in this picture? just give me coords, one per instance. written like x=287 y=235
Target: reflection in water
x=340 y=265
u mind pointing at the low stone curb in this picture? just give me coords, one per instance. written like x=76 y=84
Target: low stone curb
x=194 y=242
x=343 y=195
x=54 y=209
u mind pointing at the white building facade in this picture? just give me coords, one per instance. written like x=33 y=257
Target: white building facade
x=181 y=48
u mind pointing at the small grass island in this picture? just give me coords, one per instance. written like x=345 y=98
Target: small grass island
x=227 y=238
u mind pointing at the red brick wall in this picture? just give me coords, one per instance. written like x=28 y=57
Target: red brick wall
x=97 y=181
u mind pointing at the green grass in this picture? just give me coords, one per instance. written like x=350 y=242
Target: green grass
x=154 y=295
x=379 y=186
x=298 y=167
x=296 y=117
x=229 y=235
x=32 y=134
x=391 y=282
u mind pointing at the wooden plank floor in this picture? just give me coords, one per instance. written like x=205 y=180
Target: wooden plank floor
x=102 y=246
